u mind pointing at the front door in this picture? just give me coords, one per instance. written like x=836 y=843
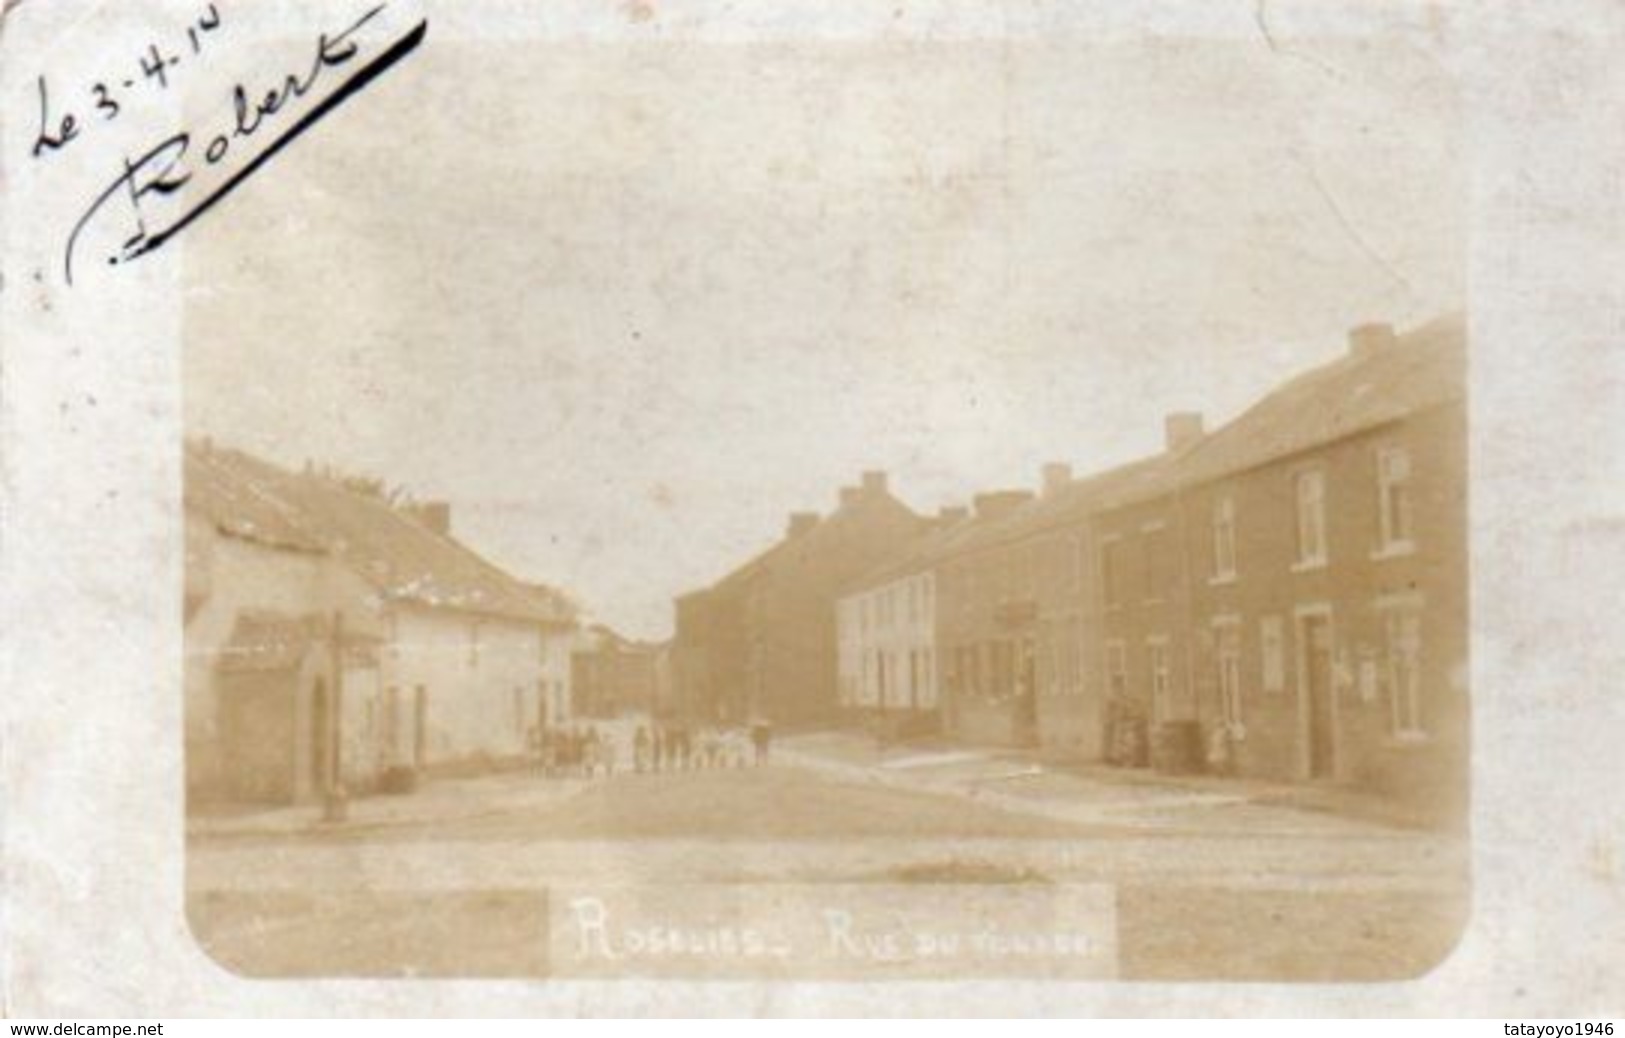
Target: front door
x=1315 y=634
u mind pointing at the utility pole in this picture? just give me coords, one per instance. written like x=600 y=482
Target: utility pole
x=335 y=806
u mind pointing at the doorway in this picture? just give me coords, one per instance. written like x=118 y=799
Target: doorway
x=1317 y=694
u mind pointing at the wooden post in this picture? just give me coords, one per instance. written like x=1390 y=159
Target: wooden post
x=335 y=806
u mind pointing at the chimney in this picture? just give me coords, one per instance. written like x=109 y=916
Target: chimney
x=998 y=503
x=800 y=523
x=436 y=515
x=1367 y=339
x=947 y=515
x=1054 y=476
x=874 y=483
x=850 y=496
x=1181 y=429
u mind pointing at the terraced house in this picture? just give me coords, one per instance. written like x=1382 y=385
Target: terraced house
x=1327 y=533
x=762 y=642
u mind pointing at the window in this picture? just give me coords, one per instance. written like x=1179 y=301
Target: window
x=1224 y=538
x=1394 y=499
x=473 y=643
x=1311 y=499
x=1156 y=656
x=1111 y=572
x=1161 y=566
x=519 y=710
x=1403 y=630
x=1227 y=656
x=1272 y=650
x=1116 y=671
x=392 y=722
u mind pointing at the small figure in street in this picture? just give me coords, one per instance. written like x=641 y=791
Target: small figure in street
x=591 y=752
x=640 y=750
x=550 y=753
x=576 y=744
x=680 y=746
x=761 y=738
x=534 y=740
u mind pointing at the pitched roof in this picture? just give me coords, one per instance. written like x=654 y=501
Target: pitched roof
x=254 y=500
x=920 y=554
x=792 y=546
x=1420 y=369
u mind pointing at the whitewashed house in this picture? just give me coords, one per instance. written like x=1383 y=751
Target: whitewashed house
x=332 y=633
x=886 y=630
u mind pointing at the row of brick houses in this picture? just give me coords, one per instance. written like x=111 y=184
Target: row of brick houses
x=613 y=676
x=1284 y=597
x=760 y=642
x=334 y=637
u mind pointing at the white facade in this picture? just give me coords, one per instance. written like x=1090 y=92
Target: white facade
x=231 y=576
x=480 y=684
x=886 y=643
x=449 y=686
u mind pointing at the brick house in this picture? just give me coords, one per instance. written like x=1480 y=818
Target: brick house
x=1139 y=619
x=1327 y=536
x=1093 y=539
x=987 y=624
x=332 y=634
x=762 y=640
x=611 y=675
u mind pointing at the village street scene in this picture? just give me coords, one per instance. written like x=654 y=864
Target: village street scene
x=1214 y=698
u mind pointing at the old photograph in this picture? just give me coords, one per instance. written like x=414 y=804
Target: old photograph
x=882 y=505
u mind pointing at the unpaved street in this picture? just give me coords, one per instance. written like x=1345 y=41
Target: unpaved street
x=1316 y=896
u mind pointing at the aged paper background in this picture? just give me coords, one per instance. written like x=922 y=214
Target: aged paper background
x=93 y=413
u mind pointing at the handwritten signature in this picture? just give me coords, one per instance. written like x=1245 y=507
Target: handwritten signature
x=170 y=166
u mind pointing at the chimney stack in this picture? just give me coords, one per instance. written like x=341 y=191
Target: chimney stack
x=1367 y=339
x=874 y=483
x=1181 y=429
x=800 y=523
x=1054 y=476
x=996 y=504
x=435 y=515
x=850 y=496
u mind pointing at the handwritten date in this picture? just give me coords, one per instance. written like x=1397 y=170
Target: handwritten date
x=107 y=102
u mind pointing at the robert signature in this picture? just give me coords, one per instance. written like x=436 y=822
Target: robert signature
x=165 y=168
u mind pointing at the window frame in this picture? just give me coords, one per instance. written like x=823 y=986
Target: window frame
x=1222 y=525
x=1389 y=541
x=1302 y=516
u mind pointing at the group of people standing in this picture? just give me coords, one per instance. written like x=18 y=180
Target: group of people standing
x=576 y=750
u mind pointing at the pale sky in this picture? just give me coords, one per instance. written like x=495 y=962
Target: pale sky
x=627 y=305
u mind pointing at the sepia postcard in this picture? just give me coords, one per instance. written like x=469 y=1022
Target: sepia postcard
x=890 y=507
